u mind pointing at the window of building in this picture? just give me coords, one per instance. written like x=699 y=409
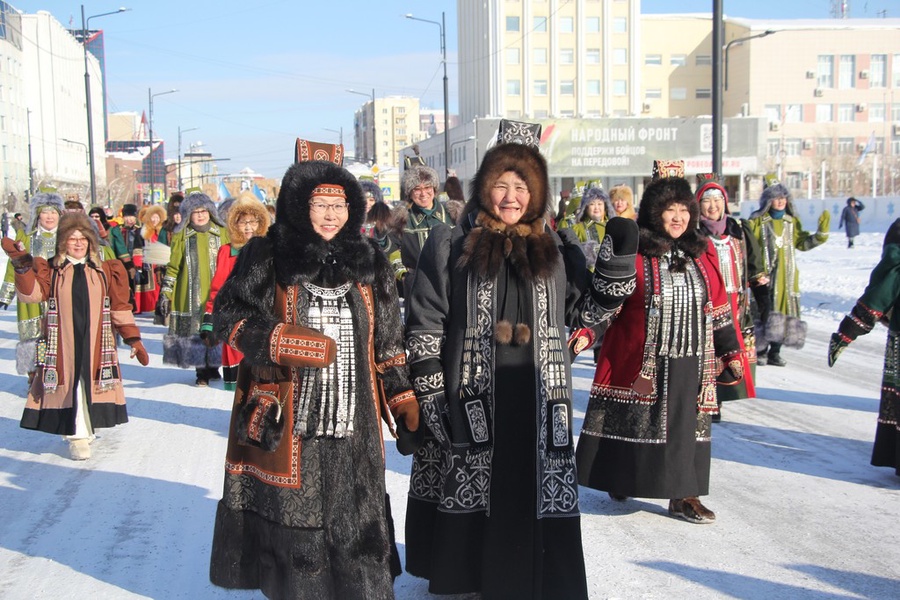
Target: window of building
x=620 y=56
x=513 y=87
x=677 y=93
x=592 y=24
x=825 y=71
x=847 y=73
x=846 y=112
x=653 y=94
x=566 y=24
x=514 y=114
x=678 y=60
x=539 y=56
x=512 y=56
x=540 y=87
x=895 y=71
x=845 y=146
x=620 y=25
x=878 y=71
x=566 y=56
x=702 y=93
x=793 y=113
x=592 y=56
x=400 y=131
x=512 y=23
x=401 y=109
x=792 y=146
x=593 y=87
x=876 y=113
x=619 y=87
x=823 y=146
x=703 y=60
x=895 y=112
x=567 y=113
x=772 y=112
x=653 y=60
x=895 y=147
x=540 y=24
x=541 y=114
x=773 y=147
x=567 y=87
x=824 y=113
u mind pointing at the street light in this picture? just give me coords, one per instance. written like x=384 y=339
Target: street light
x=463 y=141
x=87 y=95
x=443 y=26
x=80 y=144
x=180 y=131
x=151 y=96
x=728 y=46
x=339 y=132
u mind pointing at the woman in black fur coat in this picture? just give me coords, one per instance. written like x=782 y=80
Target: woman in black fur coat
x=313 y=308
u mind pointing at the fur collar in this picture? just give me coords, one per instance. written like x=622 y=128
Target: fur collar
x=308 y=257
x=531 y=250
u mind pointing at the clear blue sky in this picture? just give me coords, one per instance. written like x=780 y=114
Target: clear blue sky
x=254 y=75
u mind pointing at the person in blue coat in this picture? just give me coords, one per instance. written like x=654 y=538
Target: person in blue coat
x=850 y=216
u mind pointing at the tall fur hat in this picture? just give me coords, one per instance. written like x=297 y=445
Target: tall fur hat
x=658 y=196
x=246 y=205
x=527 y=163
x=193 y=202
x=71 y=222
x=418 y=175
x=129 y=210
x=370 y=187
x=623 y=191
x=592 y=195
x=43 y=200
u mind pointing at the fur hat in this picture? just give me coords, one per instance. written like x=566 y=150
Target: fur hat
x=370 y=187
x=454 y=189
x=419 y=175
x=97 y=210
x=71 y=222
x=301 y=253
x=658 y=196
x=223 y=208
x=129 y=210
x=776 y=190
x=148 y=229
x=593 y=195
x=196 y=201
x=246 y=205
x=41 y=201
x=527 y=163
x=624 y=192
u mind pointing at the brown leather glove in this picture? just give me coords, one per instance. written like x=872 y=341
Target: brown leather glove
x=409 y=412
x=298 y=346
x=138 y=350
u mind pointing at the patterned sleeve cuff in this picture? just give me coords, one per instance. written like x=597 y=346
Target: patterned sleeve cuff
x=422 y=345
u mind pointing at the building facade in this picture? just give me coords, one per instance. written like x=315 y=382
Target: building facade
x=14 y=113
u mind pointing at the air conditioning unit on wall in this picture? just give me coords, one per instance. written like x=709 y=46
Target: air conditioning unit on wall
x=774 y=126
x=807 y=144
x=864 y=74
x=896 y=129
x=860 y=146
x=810 y=74
x=818 y=92
x=861 y=107
x=645 y=107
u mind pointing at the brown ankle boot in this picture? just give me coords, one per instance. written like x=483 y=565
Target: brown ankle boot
x=691 y=510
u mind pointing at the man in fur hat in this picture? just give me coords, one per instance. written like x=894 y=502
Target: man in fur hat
x=134 y=245
x=186 y=286
x=39 y=239
x=420 y=186
x=780 y=234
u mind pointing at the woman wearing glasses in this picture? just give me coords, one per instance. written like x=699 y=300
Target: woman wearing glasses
x=247 y=218
x=185 y=289
x=78 y=385
x=313 y=308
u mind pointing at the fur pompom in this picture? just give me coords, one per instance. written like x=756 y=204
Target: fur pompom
x=522 y=334
x=503 y=332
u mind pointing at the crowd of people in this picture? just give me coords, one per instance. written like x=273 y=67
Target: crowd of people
x=679 y=302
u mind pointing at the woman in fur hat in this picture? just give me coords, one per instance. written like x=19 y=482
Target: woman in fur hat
x=185 y=288
x=247 y=218
x=146 y=292
x=730 y=242
x=493 y=497
x=108 y=234
x=313 y=308
x=622 y=200
x=646 y=431
x=39 y=240
x=590 y=221
x=780 y=234
x=78 y=388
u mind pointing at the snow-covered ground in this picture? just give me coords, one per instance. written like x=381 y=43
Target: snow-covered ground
x=801 y=513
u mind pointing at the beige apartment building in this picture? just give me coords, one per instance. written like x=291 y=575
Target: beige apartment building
x=383 y=126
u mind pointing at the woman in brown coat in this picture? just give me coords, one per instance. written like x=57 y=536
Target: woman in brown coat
x=78 y=387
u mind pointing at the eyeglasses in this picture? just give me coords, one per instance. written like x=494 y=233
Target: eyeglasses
x=77 y=240
x=422 y=189
x=248 y=223
x=320 y=208
x=200 y=211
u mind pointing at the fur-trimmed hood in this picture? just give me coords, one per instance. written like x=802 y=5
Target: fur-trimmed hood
x=528 y=245
x=43 y=200
x=191 y=203
x=246 y=206
x=71 y=222
x=300 y=253
x=593 y=195
x=654 y=241
x=777 y=190
x=147 y=228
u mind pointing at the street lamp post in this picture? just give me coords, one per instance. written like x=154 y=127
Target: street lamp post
x=180 y=131
x=87 y=95
x=85 y=146
x=443 y=27
x=340 y=133
x=150 y=97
